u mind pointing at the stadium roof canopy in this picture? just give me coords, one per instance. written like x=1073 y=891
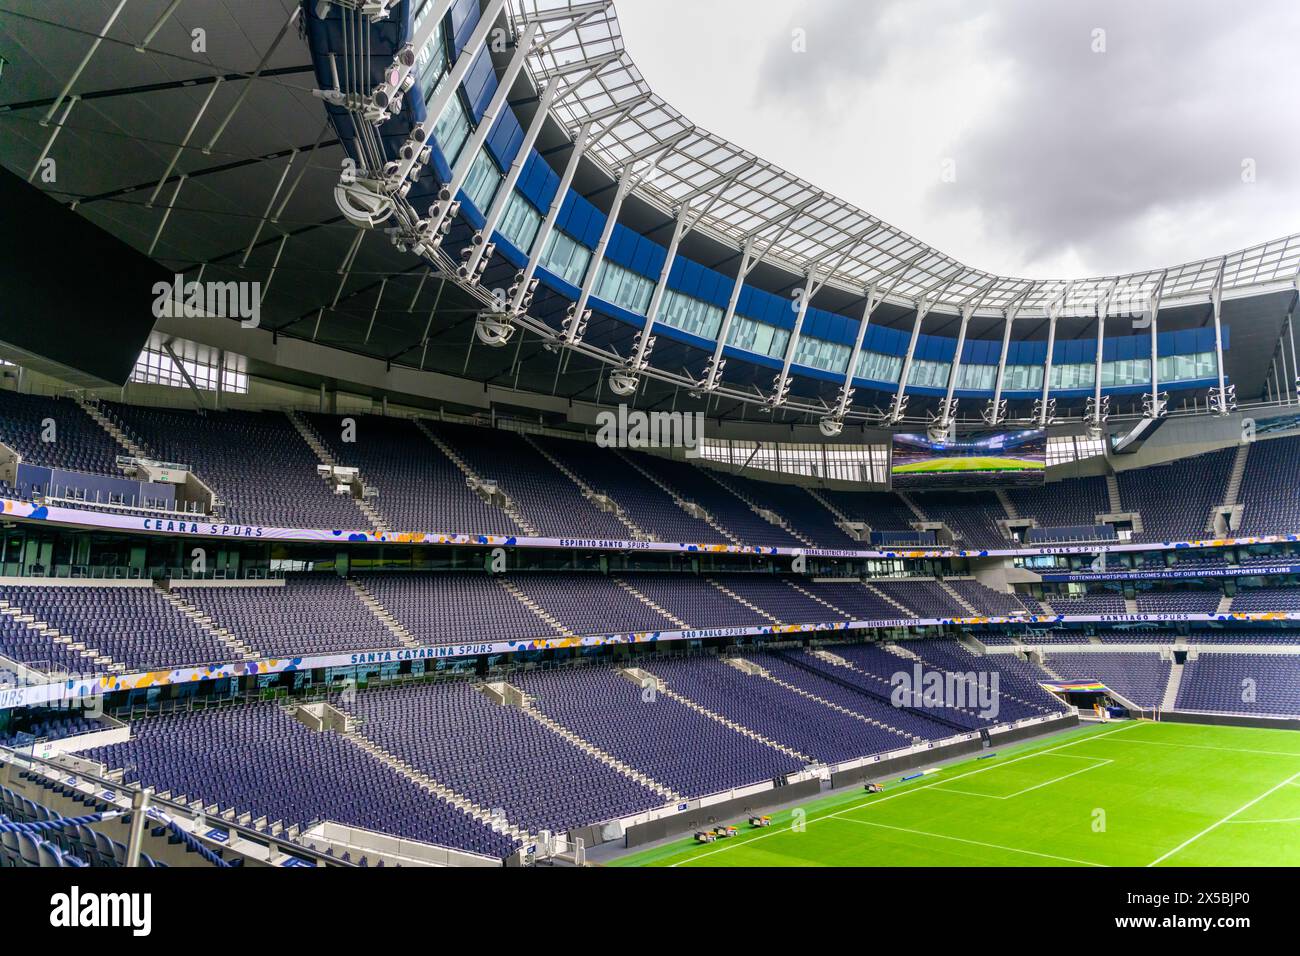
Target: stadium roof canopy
x=222 y=159
x=808 y=225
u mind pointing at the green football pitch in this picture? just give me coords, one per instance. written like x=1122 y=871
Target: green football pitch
x=985 y=463
x=1131 y=793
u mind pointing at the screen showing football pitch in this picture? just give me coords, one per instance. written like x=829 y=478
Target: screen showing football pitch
x=1000 y=459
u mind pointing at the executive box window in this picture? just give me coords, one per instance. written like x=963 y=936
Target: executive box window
x=520 y=222
x=565 y=257
x=758 y=337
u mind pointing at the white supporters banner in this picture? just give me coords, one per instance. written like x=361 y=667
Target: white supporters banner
x=202 y=527
x=74 y=689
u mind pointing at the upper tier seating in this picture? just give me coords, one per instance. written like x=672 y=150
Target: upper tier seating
x=1074 y=502
x=305 y=616
x=544 y=496
x=802 y=513
x=1270 y=494
x=1175 y=499
x=420 y=488
x=134 y=626
x=79 y=443
x=879 y=510
x=646 y=505
x=723 y=506
x=972 y=516
x=256 y=463
x=256 y=758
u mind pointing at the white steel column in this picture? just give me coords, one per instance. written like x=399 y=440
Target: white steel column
x=507 y=186
x=994 y=414
x=686 y=220
x=499 y=202
x=469 y=152
x=1103 y=308
x=954 y=370
x=814 y=285
x=1053 y=313
x=1157 y=404
x=750 y=257
x=458 y=70
x=577 y=319
x=832 y=423
x=1216 y=299
x=524 y=280
x=923 y=307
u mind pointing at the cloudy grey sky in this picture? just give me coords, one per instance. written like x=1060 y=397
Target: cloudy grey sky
x=1083 y=138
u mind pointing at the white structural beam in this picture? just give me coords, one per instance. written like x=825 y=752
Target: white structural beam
x=1103 y=309
x=580 y=144
x=1293 y=387
x=1216 y=300
x=451 y=82
x=751 y=254
x=577 y=315
x=686 y=220
x=994 y=414
x=815 y=281
x=874 y=298
x=507 y=187
x=469 y=152
x=954 y=369
x=1157 y=405
x=923 y=307
x=76 y=74
x=1053 y=314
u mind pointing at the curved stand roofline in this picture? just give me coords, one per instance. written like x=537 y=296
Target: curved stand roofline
x=755 y=197
x=463 y=157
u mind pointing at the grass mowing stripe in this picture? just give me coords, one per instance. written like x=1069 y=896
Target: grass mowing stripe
x=1127 y=810
x=869 y=802
x=1219 y=823
x=1037 y=786
x=992 y=846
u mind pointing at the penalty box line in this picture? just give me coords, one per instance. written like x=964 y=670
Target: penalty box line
x=871 y=803
x=1100 y=762
x=956 y=839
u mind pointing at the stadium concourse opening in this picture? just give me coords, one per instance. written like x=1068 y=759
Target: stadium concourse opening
x=436 y=451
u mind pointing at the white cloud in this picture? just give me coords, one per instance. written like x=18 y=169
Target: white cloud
x=1069 y=162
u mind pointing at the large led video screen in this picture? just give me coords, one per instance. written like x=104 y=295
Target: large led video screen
x=1002 y=459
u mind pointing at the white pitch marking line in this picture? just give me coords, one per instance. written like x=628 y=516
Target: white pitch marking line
x=872 y=803
x=1234 y=750
x=971 y=793
x=1219 y=823
x=993 y=846
x=1283 y=820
